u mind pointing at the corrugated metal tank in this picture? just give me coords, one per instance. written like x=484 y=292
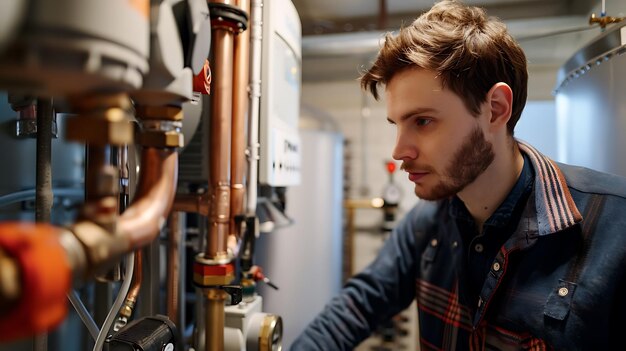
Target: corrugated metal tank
x=591 y=105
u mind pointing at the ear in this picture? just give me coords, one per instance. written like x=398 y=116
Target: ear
x=500 y=104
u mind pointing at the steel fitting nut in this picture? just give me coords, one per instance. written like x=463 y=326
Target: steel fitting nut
x=161 y=139
x=112 y=127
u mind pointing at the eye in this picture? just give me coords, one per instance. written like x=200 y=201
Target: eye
x=421 y=122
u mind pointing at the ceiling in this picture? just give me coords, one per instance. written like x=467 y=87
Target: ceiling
x=341 y=37
x=340 y=16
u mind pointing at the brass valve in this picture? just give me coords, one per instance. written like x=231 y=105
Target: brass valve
x=603 y=21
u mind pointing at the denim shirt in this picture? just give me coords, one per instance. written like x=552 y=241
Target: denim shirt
x=557 y=282
x=481 y=248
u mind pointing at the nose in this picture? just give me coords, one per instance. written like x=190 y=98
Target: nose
x=405 y=148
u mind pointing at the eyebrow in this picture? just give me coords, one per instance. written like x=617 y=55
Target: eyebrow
x=417 y=111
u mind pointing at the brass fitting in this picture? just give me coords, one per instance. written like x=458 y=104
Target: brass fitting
x=210 y=273
x=103 y=212
x=161 y=139
x=101 y=102
x=603 y=21
x=102 y=248
x=127 y=309
x=166 y=113
x=111 y=126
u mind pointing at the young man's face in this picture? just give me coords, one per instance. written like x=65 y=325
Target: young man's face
x=440 y=143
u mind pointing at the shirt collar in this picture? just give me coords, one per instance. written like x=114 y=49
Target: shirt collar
x=554 y=204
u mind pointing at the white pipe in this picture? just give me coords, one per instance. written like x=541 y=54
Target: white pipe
x=83 y=314
x=256 y=37
x=29 y=194
x=119 y=300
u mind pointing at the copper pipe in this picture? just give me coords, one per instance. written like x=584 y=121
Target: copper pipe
x=143 y=220
x=219 y=169
x=173 y=268
x=214 y=322
x=133 y=292
x=137 y=278
x=240 y=107
x=191 y=203
x=97 y=162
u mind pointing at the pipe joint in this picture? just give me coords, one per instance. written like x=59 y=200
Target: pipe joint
x=168 y=113
x=161 y=139
x=110 y=126
x=102 y=120
x=102 y=248
x=209 y=273
x=160 y=134
x=220 y=197
x=603 y=21
x=228 y=17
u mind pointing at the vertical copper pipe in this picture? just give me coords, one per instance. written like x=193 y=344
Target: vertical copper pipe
x=98 y=159
x=173 y=268
x=219 y=169
x=240 y=107
x=214 y=323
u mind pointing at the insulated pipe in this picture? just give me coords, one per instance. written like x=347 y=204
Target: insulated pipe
x=43 y=180
x=256 y=33
x=240 y=107
x=143 y=220
x=219 y=160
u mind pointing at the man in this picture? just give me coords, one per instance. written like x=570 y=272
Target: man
x=513 y=251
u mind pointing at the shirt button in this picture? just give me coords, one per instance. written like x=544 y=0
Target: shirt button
x=479 y=248
x=563 y=292
x=434 y=243
x=455 y=243
x=496 y=267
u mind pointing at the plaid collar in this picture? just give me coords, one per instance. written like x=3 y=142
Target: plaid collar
x=555 y=207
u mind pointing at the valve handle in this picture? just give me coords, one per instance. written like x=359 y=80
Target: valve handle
x=235 y=293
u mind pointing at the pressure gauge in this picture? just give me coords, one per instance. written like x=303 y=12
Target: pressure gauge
x=271 y=333
x=265 y=332
x=392 y=194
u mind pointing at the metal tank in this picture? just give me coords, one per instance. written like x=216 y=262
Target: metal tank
x=590 y=104
x=304 y=259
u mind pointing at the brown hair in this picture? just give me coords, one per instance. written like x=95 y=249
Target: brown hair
x=468 y=50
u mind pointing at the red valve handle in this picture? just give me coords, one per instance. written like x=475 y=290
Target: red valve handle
x=45 y=279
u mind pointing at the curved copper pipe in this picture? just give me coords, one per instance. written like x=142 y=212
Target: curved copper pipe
x=143 y=220
x=240 y=107
x=220 y=126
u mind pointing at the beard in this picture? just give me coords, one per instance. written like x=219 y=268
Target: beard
x=469 y=161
